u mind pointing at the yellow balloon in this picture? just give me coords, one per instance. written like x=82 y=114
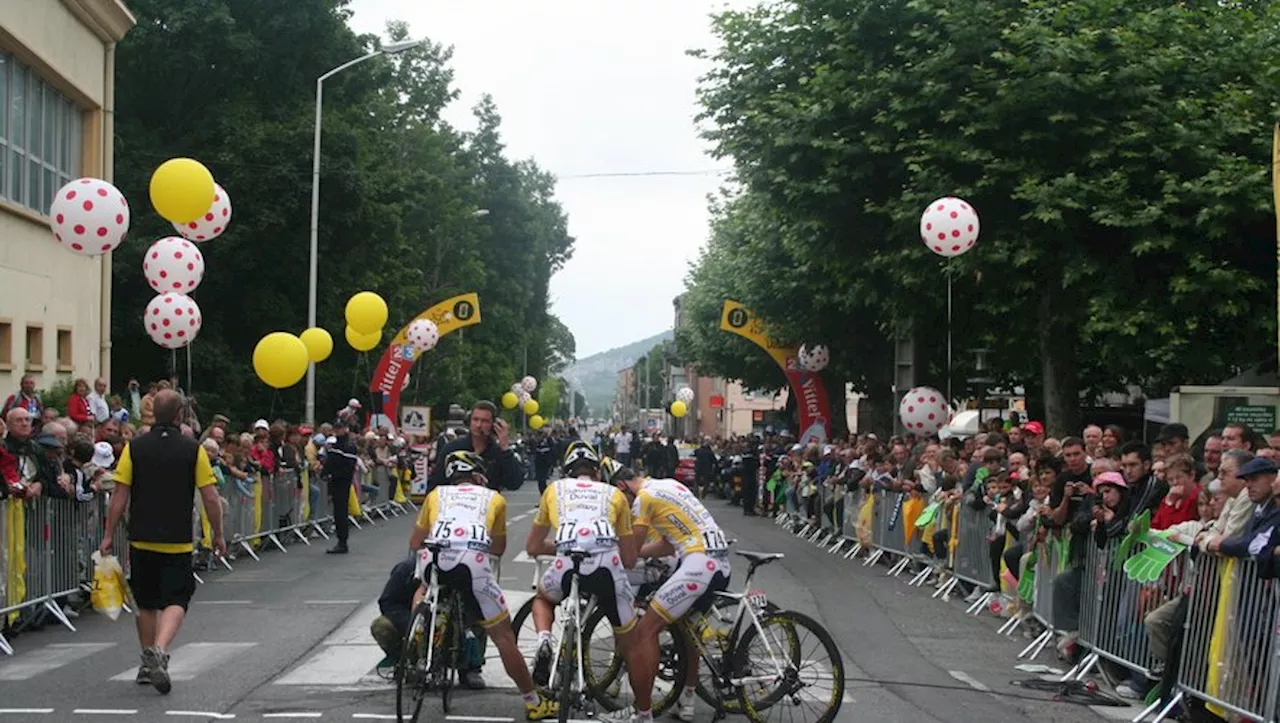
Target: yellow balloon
x=531 y=406
x=182 y=190
x=363 y=342
x=510 y=400
x=366 y=312
x=319 y=344
x=280 y=359
x=679 y=408
x=536 y=421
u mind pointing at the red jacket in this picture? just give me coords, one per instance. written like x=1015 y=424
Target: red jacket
x=1167 y=515
x=78 y=409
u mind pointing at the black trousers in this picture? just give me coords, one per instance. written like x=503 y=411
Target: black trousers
x=340 y=492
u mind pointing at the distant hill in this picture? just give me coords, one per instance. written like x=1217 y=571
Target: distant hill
x=598 y=373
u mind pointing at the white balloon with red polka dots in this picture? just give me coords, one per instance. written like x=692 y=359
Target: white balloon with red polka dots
x=423 y=333
x=173 y=264
x=924 y=410
x=214 y=221
x=89 y=217
x=172 y=320
x=949 y=226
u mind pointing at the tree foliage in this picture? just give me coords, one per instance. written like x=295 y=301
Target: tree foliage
x=1117 y=152
x=232 y=83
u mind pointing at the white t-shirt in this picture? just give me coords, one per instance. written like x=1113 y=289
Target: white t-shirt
x=623 y=442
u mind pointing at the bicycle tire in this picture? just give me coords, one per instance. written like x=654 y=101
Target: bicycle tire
x=598 y=685
x=565 y=671
x=453 y=660
x=794 y=621
x=705 y=688
x=408 y=658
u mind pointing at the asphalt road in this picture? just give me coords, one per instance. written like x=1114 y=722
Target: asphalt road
x=288 y=638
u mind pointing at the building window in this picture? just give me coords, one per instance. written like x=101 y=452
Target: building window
x=35 y=348
x=65 y=363
x=41 y=132
x=6 y=345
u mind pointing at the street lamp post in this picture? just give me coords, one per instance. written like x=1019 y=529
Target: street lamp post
x=391 y=49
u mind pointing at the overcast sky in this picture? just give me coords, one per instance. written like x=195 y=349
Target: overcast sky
x=592 y=87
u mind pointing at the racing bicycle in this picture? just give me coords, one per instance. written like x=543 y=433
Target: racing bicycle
x=433 y=646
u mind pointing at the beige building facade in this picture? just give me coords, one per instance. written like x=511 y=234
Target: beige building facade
x=57 y=94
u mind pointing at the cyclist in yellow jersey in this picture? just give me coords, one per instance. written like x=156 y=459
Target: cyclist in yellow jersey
x=472 y=520
x=690 y=532
x=580 y=514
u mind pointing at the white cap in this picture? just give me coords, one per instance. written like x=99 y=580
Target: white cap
x=261 y=424
x=331 y=440
x=353 y=403
x=103 y=455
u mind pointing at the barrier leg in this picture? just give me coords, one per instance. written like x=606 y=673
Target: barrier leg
x=834 y=549
x=249 y=549
x=901 y=565
x=56 y=611
x=1010 y=625
x=301 y=536
x=199 y=579
x=5 y=646
x=276 y=540
x=803 y=530
x=315 y=525
x=1148 y=711
x=1089 y=663
x=976 y=608
x=1173 y=703
x=853 y=552
x=921 y=576
x=1036 y=645
x=354 y=523
x=944 y=592
x=873 y=558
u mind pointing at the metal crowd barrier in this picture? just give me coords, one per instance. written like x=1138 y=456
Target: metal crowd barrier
x=46 y=544
x=1048 y=567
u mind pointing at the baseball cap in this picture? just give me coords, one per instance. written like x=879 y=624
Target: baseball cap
x=261 y=424
x=1256 y=466
x=48 y=440
x=1034 y=428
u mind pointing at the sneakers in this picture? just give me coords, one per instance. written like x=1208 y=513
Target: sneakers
x=1127 y=691
x=684 y=707
x=629 y=715
x=473 y=680
x=158 y=665
x=542 y=664
x=144 y=673
x=545 y=708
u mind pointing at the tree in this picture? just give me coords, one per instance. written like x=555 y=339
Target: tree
x=1115 y=150
x=399 y=201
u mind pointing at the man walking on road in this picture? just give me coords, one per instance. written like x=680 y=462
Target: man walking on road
x=340 y=468
x=156 y=477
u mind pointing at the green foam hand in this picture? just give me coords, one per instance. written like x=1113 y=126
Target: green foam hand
x=1138 y=528
x=1027 y=581
x=1151 y=561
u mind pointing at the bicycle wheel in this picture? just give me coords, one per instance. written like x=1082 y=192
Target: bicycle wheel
x=605 y=669
x=716 y=643
x=410 y=677
x=451 y=656
x=818 y=676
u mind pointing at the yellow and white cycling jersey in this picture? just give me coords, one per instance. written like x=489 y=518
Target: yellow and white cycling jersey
x=464 y=516
x=678 y=515
x=584 y=515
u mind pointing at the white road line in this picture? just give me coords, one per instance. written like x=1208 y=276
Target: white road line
x=332 y=602
x=336 y=665
x=969 y=680
x=105 y=711
x=50 y=657
x=517 y=518
x=296 y=714
x=192 y=659
x=25 y=711
x=201 y=714
x=480 y=718
x=373 y=716
x=355 y=629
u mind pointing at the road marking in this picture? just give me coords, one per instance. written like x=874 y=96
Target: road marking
x=969 y=680
x=50 y=657
x=332 y=602
x=201 y=714
x=355 y=629
x=192 y=659
x=24 y=711
x=223 y=602
x=296 y=714
x=374 y=716
x=480 y=718
x=336 y=664
x=517 y=518
x=105 y=711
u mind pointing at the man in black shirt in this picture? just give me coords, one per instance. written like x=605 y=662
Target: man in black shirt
x=1145 y=490
x=1071 y=504
x=340 y=468
x=395 y=604
x=488 y=436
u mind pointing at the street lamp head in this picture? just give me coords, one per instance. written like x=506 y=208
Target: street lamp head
x=400 y=47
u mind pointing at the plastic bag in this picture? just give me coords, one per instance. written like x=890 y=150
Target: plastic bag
x=110 y=591
x=353 y=503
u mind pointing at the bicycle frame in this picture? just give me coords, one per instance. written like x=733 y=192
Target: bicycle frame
x=573 y=601
x=744 y=609
x=434 y=595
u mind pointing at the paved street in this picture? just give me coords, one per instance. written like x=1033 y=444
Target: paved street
x=288 y=638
